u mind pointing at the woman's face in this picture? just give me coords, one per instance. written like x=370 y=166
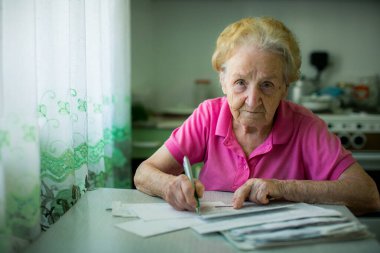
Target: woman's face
x=253 y=81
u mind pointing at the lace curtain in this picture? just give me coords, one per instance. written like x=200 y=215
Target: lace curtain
x=64 y=109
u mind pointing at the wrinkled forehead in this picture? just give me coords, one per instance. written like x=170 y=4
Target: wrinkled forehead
x=252 y=60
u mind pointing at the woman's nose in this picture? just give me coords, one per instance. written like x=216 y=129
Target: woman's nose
x=253 y=96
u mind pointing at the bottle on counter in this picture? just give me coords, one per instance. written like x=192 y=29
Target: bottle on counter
x=301 y=88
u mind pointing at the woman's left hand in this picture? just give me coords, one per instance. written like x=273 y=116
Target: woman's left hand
x=257 y=190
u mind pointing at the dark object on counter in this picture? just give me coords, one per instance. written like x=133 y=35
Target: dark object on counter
x=320 y=60
x=139 y=113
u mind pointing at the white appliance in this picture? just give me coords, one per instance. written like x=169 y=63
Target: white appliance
x=360 y=133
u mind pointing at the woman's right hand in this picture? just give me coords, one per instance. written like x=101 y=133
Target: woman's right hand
x=161 y=175
x=179 y=193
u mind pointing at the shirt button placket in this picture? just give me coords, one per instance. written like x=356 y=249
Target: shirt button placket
x=243 y=173
x=246 y=170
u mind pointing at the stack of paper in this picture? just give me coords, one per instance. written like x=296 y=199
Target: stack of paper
x=297 y=211
x=253 y=226
x=298 y=224
x=311 y=231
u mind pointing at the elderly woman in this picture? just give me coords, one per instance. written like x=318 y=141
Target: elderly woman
x=252 y=141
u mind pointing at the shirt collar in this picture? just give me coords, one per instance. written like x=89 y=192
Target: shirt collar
x=224 y=120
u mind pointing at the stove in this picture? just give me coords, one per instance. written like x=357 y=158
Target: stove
x=359 y=133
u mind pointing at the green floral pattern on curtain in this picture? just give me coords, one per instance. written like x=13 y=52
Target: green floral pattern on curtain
x=58 y=168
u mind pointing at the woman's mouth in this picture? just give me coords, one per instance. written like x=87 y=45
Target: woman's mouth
x=255 y=112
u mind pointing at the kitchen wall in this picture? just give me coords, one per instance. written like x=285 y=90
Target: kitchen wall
x=173 y=41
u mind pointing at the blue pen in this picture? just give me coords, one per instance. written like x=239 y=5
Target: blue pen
x=189 y=174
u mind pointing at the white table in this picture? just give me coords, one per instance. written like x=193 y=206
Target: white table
x=88 y=227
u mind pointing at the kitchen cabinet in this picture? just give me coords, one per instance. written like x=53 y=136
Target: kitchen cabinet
x=148 y=136
x=146 y=140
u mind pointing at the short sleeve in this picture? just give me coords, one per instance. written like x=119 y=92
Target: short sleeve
x=324 y=156
x=191 y=137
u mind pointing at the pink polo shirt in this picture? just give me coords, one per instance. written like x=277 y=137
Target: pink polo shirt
x=298 y=147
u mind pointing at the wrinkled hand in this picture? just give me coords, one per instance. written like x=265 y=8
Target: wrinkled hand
x=259 y=191
x=179 y=193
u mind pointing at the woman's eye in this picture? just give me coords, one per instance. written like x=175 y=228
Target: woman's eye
x=239 y=85
x=267 y=87
x=240 y=82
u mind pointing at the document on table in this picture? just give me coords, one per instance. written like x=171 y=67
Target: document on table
x=158 y=218
x=156 y=227
x=158 y=211
x=216 y=211
x=270 y=225
x=209 y=210
x=296 y=211
x=311 y=233
x=122 y=210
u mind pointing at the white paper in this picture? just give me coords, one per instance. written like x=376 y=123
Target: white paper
x=208 y=210
x=122 y=210
x=296 y=211
x=302 y=233
x=156 y=227
x=308 y=234
x=297 y=223
x=217 y=212
x=158 y=218
x=160 y=211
